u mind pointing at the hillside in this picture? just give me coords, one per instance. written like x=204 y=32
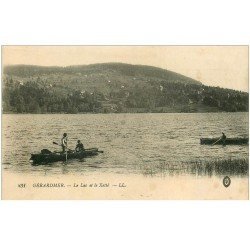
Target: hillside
x=111 y=87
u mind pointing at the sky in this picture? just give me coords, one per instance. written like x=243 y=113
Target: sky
x=223 y=66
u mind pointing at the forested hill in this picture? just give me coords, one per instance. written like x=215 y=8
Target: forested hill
x=111 y=87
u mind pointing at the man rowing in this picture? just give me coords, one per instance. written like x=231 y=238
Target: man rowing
x=64 y=142
x=223 y=138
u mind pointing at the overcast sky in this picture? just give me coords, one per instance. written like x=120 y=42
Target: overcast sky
x=224 y=66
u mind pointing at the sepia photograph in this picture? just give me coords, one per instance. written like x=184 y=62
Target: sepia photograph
x=124 y=125
x=125 y=122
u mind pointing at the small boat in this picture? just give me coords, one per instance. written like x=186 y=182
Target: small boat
x=47 y=156
x=228 y=141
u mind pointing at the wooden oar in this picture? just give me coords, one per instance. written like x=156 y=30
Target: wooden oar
x=99 y=151
x=66 y=154
x=216 y=141
x=65 y=151
x=58 y=144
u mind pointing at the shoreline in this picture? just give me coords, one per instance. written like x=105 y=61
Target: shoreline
x=92 y=113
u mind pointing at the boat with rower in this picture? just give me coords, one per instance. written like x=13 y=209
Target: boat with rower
x=46 y=156
x=227 y=141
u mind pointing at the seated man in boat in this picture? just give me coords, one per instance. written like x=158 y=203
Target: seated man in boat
x=64 y=142
x=79 y=146
x=223 y=138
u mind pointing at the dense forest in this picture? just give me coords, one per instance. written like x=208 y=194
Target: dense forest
x=106 y=88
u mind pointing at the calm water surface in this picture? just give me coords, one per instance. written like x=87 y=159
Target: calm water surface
x=131 y=142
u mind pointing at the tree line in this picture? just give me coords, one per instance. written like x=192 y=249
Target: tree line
x=31 y=97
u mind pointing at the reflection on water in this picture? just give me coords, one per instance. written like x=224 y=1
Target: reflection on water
x=132 y=143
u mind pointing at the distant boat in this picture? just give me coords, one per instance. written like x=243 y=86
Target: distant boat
x=228 y=141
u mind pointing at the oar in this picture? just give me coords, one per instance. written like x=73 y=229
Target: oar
x=65 y=151
x=60 y=145
x=66 y=154
x=216 y=141
x=99 y=151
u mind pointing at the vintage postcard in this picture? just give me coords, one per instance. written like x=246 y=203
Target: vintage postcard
x=125 y=122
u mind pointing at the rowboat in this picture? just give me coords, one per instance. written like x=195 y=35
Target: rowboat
x=228 y=141
x=48 y=157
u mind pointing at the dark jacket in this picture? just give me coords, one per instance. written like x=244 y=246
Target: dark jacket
x=79 y=147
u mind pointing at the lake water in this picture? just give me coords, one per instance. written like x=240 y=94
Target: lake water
x=131 y=142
